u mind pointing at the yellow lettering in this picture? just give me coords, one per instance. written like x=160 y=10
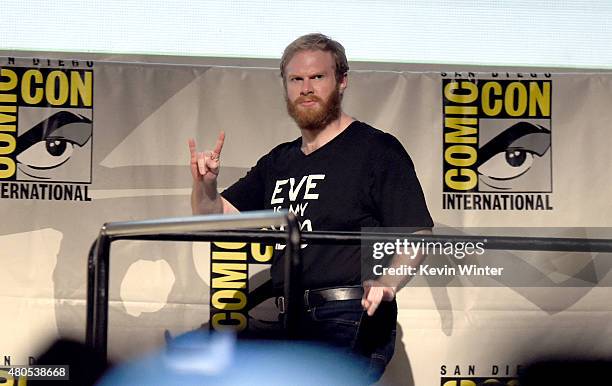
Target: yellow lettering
x=26 y=87
x=57 y=88
x=229 y=255
x=12 y=80
x=8 y=109
x=516 y=99
x=9 y=167
x=462 y=133
x=258 y=255
x=461 y=110
x=470 y=152
x=8 y=378
x=462 y=130
x=11 y=143
x=496 y=89
x=463 y=382
x=8 y=98
x=8 y=118
x=539 y=97
x=219 y=300
x=468 y=181
x=81 y=87
x=450 y=88
x=220 y=321
x=231 y=278
x=230 y=245
x=23 y=381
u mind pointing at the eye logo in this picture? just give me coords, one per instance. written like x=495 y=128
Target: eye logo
x=56 y=149
x=497 y=143
x=515 y=159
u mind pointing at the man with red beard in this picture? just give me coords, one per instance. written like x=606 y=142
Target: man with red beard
x=340 y=175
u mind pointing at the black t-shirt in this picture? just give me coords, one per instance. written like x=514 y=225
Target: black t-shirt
x=361 y=178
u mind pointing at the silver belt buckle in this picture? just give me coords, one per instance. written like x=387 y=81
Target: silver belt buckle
x=306 y=305
x=280 y=302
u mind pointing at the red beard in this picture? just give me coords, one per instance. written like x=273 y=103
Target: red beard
x=315 y=118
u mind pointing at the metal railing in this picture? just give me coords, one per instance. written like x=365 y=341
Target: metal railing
x=229 y=228
x=193 y=228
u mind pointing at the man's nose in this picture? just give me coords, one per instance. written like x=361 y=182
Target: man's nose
x=306 y=87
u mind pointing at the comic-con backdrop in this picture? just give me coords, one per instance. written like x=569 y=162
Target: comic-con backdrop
x=83 y=143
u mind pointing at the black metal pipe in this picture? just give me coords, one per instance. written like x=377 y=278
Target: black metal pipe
x=91 y=298
x=554 y=244
x=255 y=219
x=99 y=327
x=293 y=291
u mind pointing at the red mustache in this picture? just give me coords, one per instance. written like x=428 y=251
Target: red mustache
x=311 y=98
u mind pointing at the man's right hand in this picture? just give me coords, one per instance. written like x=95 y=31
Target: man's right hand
x=205 y=165
x=205 y=199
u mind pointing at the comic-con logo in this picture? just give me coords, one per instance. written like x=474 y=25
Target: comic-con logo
x=497 y=144
x=232 y=297
x=46 y=130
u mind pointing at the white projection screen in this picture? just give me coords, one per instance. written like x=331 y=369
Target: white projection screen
x=568 y=33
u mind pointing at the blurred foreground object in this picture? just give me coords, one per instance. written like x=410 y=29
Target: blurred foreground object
x=85 y=365
x=200 y=357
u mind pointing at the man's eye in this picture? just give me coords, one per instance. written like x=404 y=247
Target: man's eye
x=47 y=154
x=507 y=164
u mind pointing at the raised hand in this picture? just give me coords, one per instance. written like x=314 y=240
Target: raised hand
x=205 y=165
x=204 y=170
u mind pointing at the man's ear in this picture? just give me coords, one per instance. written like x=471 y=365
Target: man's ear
x=343 y=83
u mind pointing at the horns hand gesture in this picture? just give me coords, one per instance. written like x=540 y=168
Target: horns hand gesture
x=205 y=165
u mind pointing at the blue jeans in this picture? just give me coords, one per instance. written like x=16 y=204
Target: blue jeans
x=346 y=325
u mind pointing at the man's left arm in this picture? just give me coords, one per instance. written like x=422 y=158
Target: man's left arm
x=385 y=287
x=400 y=202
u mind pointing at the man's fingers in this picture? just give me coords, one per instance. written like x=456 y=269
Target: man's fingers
x=372 y=296
x=367 y=286
x=192 y=150
x=207 y=157
x=202 y=163
x=372 y=309
x=369 y=307
x=219 y=144
x=374 y=299
x=212 y=162
x=365 y=303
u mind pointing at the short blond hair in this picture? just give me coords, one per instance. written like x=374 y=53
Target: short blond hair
x=316 y=42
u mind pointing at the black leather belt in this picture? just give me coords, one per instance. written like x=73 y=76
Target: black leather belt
x=317 y=297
